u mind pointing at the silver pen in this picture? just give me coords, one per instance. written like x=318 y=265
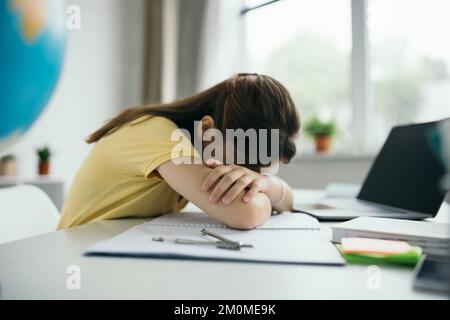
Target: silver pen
x=226 y=240
x=222 y=243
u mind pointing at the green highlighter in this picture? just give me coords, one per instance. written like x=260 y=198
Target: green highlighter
x=374 y=251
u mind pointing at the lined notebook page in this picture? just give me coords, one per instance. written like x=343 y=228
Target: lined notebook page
x=284 y=238
x=282 y=221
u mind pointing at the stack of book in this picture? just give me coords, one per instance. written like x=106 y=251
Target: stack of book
x=433 y=238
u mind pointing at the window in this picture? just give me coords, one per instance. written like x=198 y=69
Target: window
x=400 y=60
x=308 y=49
x=410 y=60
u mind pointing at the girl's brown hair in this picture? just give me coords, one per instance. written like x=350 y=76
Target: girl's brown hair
x=243 y=101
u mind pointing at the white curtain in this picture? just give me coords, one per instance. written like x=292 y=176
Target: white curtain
x=222 y=41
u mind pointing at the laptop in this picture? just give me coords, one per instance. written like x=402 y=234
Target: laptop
x=403 y=182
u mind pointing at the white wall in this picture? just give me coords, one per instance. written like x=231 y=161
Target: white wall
x=102 y=74
x=316 y=172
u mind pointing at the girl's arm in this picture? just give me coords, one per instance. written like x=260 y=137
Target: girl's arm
x=187 y=180
x=226 y=182
x=280 y=194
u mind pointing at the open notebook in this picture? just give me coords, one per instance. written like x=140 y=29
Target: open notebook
x=284 y=238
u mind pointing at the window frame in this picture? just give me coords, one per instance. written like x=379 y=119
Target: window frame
x=362 y=95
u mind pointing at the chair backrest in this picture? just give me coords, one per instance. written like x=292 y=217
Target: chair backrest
x=25 y=211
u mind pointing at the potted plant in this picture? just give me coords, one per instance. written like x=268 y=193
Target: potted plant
x=322 y=132
x=44 y=161
x=8 y=165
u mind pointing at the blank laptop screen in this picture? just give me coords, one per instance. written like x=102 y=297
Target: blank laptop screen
x=406 y=172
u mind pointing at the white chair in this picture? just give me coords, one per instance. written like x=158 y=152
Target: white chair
x=25 y=211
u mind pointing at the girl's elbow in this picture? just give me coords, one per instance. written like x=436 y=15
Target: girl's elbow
x=254 y=213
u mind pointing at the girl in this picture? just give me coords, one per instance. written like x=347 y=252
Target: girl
x=133 y=171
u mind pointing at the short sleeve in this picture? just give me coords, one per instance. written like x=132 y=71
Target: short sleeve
x=149 y=142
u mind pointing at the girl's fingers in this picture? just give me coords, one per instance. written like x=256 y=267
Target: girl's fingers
x=257 y=186
x=236 y=189
x=224 y=184
x=215 y=175
x=213 y=163
x=254 y=189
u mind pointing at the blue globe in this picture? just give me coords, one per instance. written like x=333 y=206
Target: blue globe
x=32 y=41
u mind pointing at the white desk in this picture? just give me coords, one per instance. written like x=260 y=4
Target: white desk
x=35 y=268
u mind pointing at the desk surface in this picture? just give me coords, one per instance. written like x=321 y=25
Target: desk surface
x=36 y=268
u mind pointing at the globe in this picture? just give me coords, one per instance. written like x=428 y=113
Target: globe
x=32 y=41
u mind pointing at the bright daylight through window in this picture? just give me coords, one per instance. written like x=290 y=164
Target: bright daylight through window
x=410 y=66
x=308 y=46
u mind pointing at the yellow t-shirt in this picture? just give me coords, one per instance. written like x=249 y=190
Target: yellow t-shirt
x=118 y=178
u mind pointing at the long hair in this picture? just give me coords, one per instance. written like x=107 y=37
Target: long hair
x=243 y=101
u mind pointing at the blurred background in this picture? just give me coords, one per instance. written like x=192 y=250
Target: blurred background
x=354 y=67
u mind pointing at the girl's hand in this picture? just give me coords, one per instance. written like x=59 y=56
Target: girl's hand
x=226 y=182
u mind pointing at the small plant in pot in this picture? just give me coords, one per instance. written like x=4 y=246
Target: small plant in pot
x=322 y=132
x=44 y=155
x=8 y=165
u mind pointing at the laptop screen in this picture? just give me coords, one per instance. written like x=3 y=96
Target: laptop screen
x=406 y=173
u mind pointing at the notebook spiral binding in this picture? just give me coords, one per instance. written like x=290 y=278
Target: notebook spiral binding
x=220 y=226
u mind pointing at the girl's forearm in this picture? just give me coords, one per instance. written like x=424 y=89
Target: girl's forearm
x=279 y=194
